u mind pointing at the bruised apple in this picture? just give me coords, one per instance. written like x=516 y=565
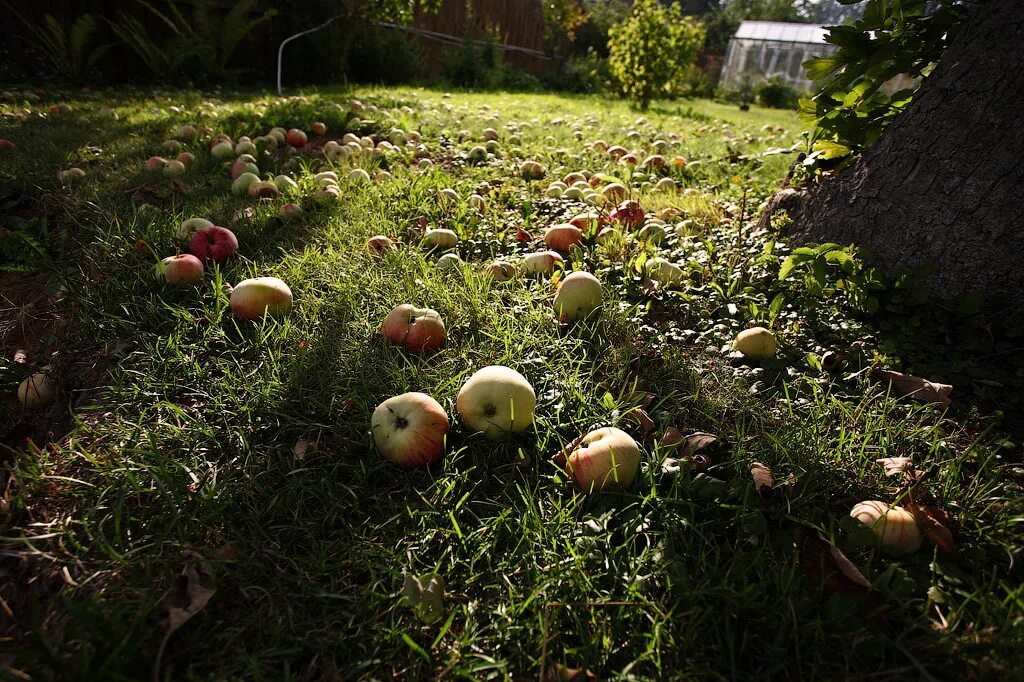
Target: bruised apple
x=415 y=329
x=604 y=459
x=409 y=430
x=496 y=401
x=252 y=298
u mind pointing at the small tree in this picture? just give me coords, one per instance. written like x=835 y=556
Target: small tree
x=650 y=49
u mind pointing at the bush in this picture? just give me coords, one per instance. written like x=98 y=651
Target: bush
x=471 y=65
x=776 y=94
x=693 y=81
x=647 y=51
x=587 y=73
x=383 y=56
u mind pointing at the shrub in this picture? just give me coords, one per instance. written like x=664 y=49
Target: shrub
x=587 y=73
x=776 y=94
x=647 y=51
x=473 y=65
x=383 y=56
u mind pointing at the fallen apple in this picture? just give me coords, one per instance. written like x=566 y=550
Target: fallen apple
x=187 y=132
x=496 y=401
x=450 y=262
x=36 y=391
x=155 y=164
x=285 y=183
x=578 y=296
x=500 y=271
x=614 y=191
x=263 y=190
x=604 y=459
x=186 y=157
x=290 y=211
x=630 y=213
x=241 y=184
x=174 y=169
x=183 y=269
x=541 y=262
x=171 y=146
x=242 y=166
x=531 y=170
x=477 y=202
x=318 y=128
x=448 y=196
x=379 y=245
x=664 y=271
x=441 y=238
x=415 y=329
x=252 y=298
x=213 y=243
x=71 y=176
x=7 y=146
x=222 y=150
x=358 y=176
x=410 y=429
x=191 y=226
x=654 y=161
x=895 y=528
x=756 y=343
x=296 y=138
x=477 y=154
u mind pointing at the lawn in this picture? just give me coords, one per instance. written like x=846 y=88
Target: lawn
x=188 y=448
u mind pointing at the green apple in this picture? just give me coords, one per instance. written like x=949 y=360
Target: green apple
x=579 y=295
x=496 y=401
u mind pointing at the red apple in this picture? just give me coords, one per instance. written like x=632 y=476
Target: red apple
x=630 y=159
x=654 y=161
x=415 y=329
x=296 y=138
x=410 y=429
x=289 y=211
x=183 y=269
x=155 y=163
x=253 y=298
x=213 y=243
x=186 y=158
x=318 y=128
x=562 y=237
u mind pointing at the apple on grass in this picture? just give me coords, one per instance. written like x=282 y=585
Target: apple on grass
x=290 y=211
x=155 y=164
x=183 y=269
x=441 y=238
x=541 y=263
x=604 y=459
x=36 y=391
x=379 y=245
x=318 y=128
x=450 y=262
x=664 y=271
x=241 y=184
x=410 y=429
x=191 y=226
x=895 y=528
x=562 y=237
x=296 y=138
x=222 y=150
x=213 y=243
x=252 y=298
x=496 y=401
x=174 y=169
x=630 y=213
x=756 y=343
x=415 y=329
x=579 y=295
x=500 y=271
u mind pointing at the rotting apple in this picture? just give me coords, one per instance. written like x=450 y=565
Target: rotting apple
x=895 y=528
x=183 y=269
x=578 y=296
x=252 y=298
x=71 y=176
x=562 y=237
x=756 y=343
x=410 y=429
x=263 y=190
x=379 y=245
x=500 y=271
x=285 y=183
x=531 y=170
x=604 y=459
x=496 y=401
x=415 y=329
x=213 y=243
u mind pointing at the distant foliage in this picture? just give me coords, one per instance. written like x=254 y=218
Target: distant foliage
x=651 y=48
x=777 y=94
x=67 y=51
x=849 y=109
x=384 y=56
x=473 y=65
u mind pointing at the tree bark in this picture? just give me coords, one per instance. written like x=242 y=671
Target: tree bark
x=944 y=184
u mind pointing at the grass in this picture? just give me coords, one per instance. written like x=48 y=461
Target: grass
x=183 y=436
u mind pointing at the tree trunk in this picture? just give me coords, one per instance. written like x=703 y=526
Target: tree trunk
x=944 y=184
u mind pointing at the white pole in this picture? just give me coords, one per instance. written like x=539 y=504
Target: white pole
x=280 y=50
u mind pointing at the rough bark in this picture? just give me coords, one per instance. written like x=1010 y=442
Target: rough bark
x=944 y=184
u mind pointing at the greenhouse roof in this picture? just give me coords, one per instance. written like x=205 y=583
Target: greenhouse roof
x=781 y=31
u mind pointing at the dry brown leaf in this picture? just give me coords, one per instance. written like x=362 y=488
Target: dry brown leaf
x=300 y=449
x=644 y=419
x=562 y=673
x=918 y=388
x=192 y=590
x=931 y=521
x=763 y=480
x=649 y=286
x=672 y=436
x=698 y=441
x=824 y=563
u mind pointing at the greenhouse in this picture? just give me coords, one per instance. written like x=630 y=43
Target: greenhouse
x=765 y=49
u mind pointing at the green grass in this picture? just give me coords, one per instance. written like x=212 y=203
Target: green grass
x=190 y=448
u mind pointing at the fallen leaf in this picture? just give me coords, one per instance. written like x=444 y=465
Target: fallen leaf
x=671 y=437
x=918 y=388
x=763 y=480
x=642 y=418
x=649 y=286
x=698 y=441
x=562 y=673
x=191 y=591
x=523 y=236
x=425 y=594
x=931 y=520
x=824 y=563
x=894 y=466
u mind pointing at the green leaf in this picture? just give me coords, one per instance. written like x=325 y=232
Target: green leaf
x=831 y=150
x=786 y=268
